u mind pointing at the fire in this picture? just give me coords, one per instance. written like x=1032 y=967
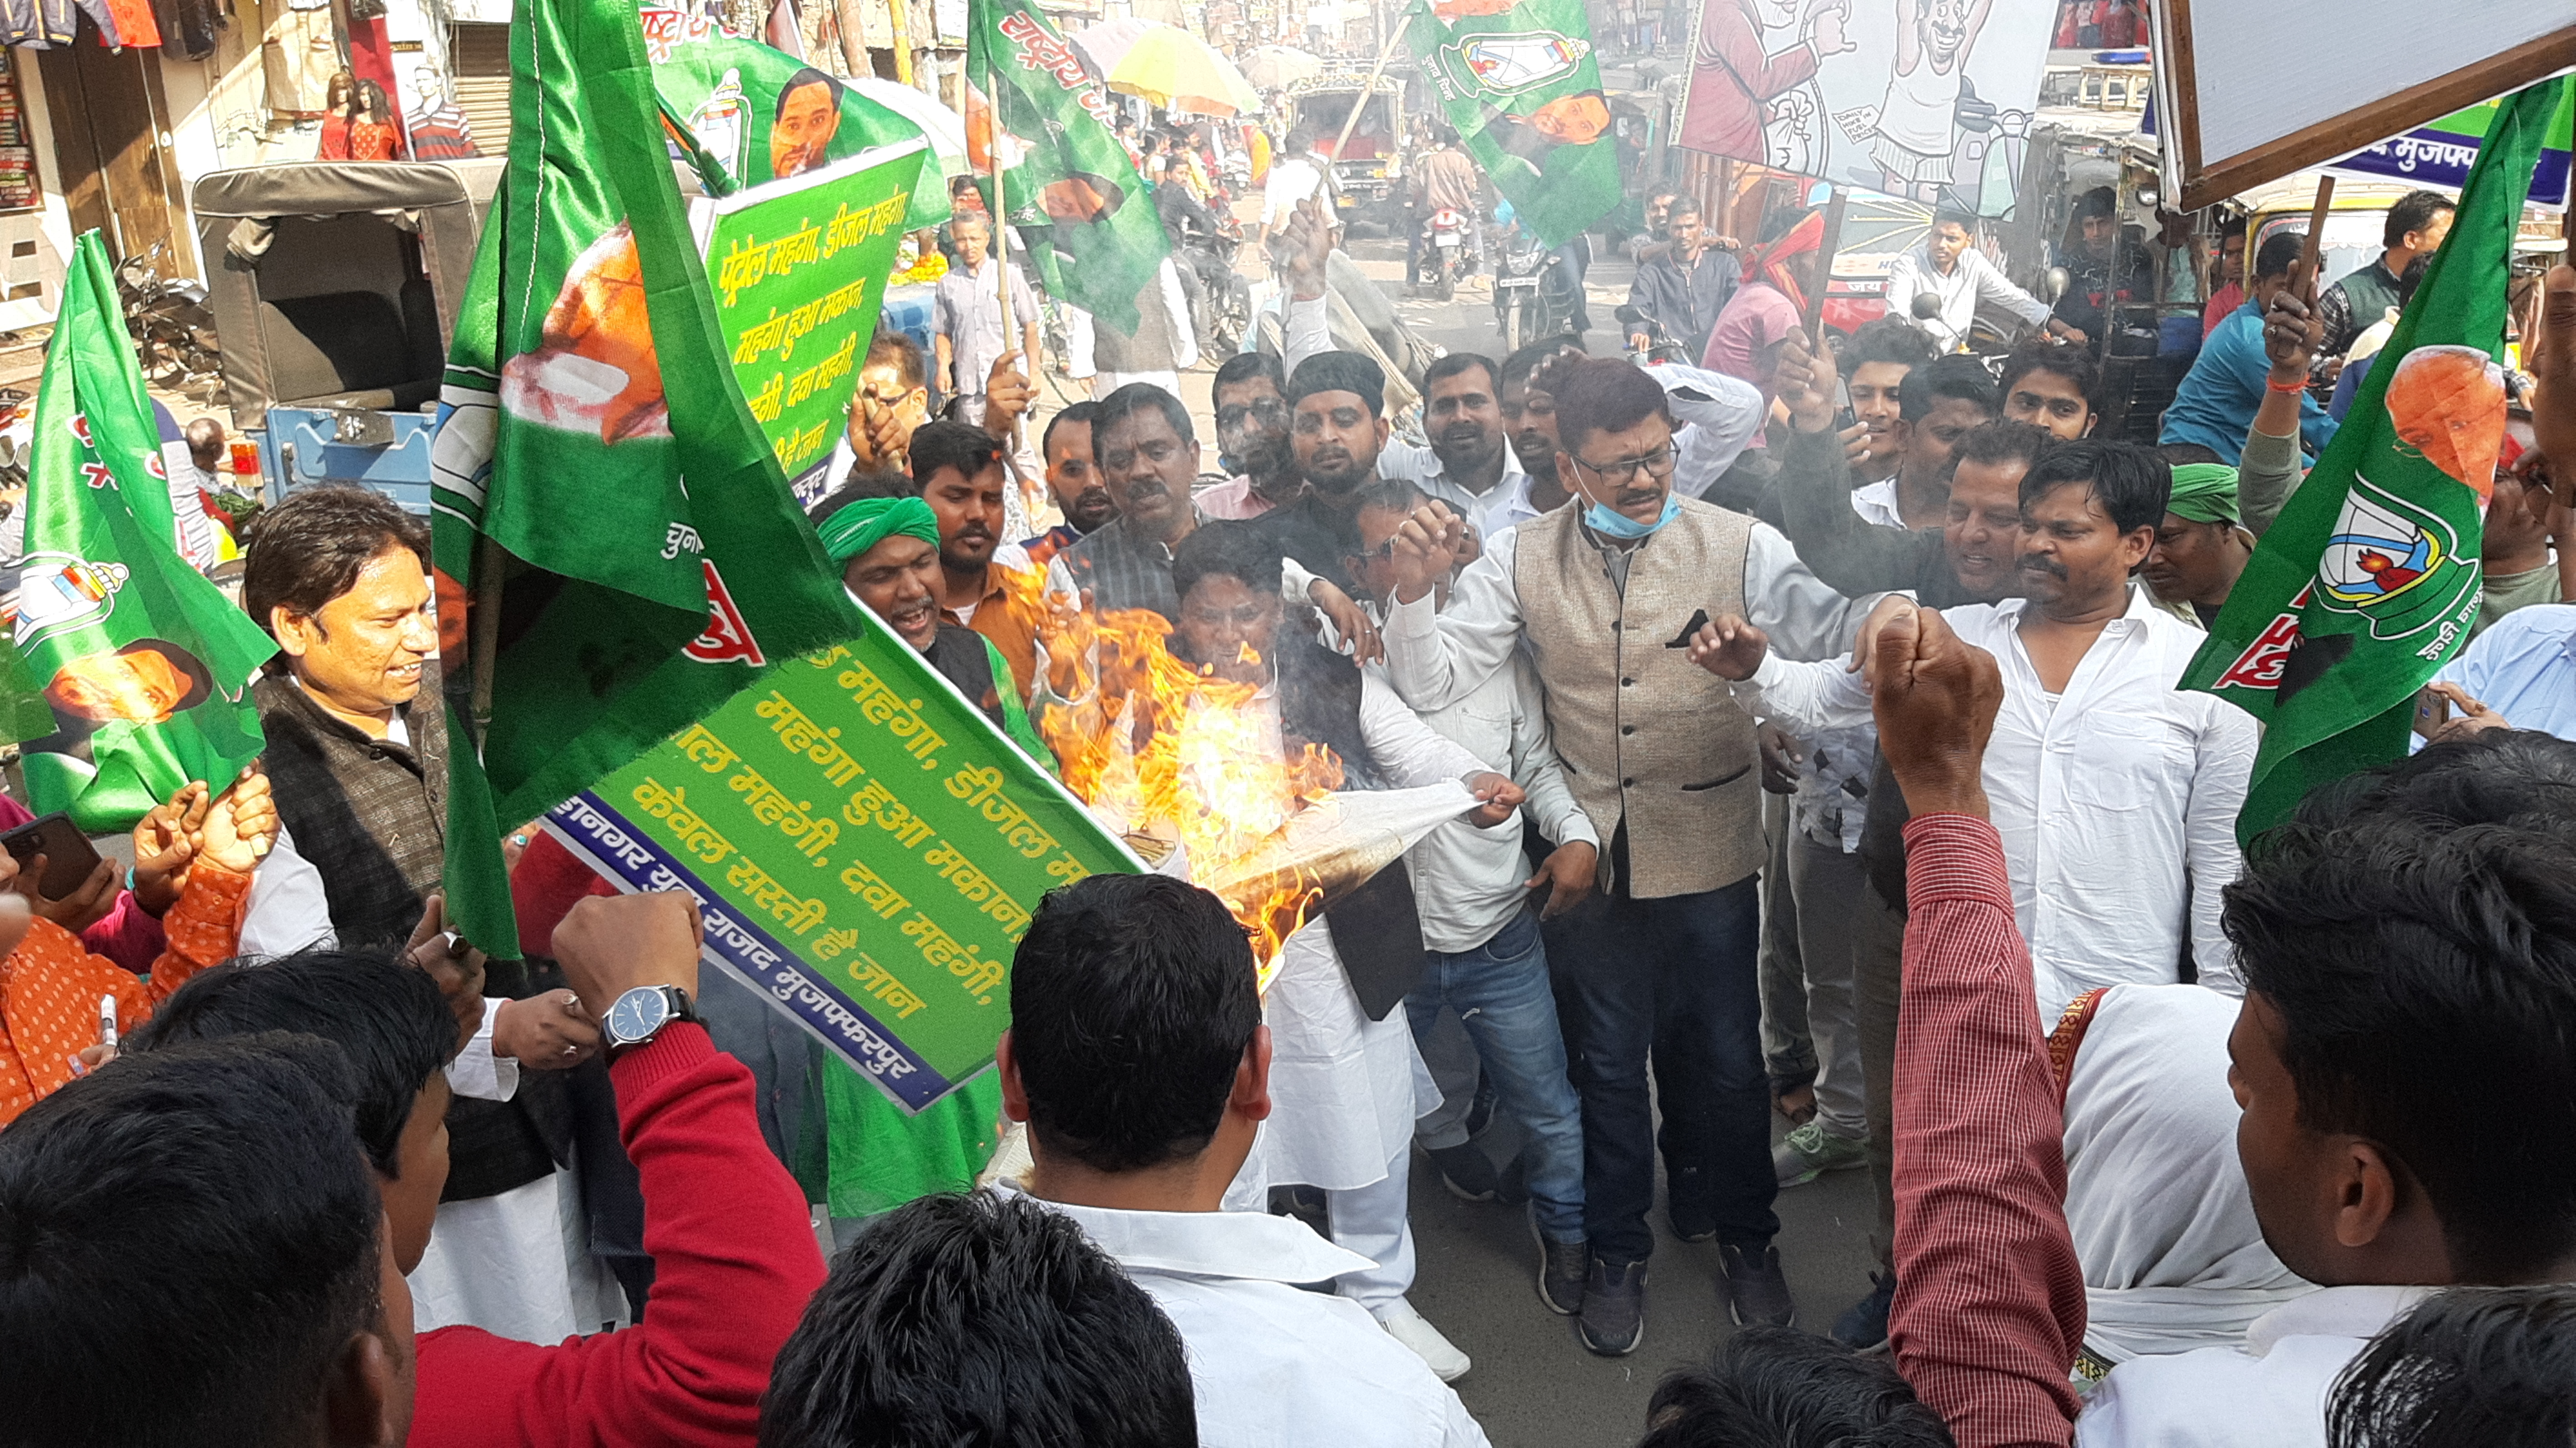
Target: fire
x=1166 y=752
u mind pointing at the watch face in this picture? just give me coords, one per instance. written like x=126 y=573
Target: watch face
x=637 y=1014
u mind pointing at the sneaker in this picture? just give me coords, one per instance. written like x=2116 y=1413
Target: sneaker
x=1810 y=1151
x=1614 y=1308
x=1863 y=1325
x=1437 y=1353
x=1756 y=1289
x=1561 y=1269
x=1467 y=1172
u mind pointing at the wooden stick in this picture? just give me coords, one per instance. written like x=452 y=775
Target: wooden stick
x=1826 y=246
x=2303 y=279
x=1368 y=92
x=901 y=21
x=489 y=559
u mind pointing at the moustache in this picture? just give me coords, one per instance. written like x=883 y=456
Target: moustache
x=1094 y=496
x=2042 y=563
x=1462 y=434
x=1146 y=490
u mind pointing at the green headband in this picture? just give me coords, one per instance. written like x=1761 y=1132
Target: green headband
x=862 y=525
x=2204 y=493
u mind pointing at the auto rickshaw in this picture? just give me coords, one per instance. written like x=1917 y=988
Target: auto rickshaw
x=335 y=287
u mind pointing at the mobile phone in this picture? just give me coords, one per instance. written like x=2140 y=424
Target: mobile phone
x=2432 y=711
x=69 y=857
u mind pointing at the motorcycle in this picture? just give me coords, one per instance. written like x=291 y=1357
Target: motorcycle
x=1533 y=291
x=174 y=331
x=1445 y=232
x=1660 y=344
x=1220 y=298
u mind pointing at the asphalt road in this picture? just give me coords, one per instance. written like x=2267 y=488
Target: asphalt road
x=1533 y=1385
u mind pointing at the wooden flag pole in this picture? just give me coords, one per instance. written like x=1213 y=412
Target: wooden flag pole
x=2303 y=281
x=485 y=642
x=1368 y=92
x=1826 y=246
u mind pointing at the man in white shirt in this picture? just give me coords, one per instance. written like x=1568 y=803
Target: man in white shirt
x=1297 y=175
x=1467 y=465
x=2115 y=793
x=1958 y=277
x=966 y=320
x=1480 y=923
x=1138 y=1058
x=1595 y=591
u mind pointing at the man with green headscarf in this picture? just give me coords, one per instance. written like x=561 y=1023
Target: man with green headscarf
x=2202 y=545
x=887 y=548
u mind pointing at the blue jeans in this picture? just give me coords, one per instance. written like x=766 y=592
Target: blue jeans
x=1500 y=992
x=1672 y=980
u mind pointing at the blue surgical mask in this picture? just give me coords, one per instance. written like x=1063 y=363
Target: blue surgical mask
x=1619 y=525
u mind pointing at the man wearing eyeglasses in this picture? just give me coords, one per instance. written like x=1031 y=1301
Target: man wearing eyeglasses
x=1251 y=397
x=1606 y=594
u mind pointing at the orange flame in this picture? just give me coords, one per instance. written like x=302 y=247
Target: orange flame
x=1161 y=750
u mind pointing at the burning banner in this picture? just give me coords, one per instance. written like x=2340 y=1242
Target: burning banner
x=1179 y=758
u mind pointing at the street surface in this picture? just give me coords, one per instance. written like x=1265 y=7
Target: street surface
x=1533 y=1385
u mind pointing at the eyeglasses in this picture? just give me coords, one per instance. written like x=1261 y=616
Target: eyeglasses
x=1618 y=474
x=1233 y=414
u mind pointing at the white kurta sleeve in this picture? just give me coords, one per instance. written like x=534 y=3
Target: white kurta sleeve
x=1306 y=328
x=288 y=910
x=1995 y=287
x=476 y=1072
x=1806 y=698
x=2220 y=774
x=1804 y=615
x=1409 y=752
x=1719 y=416
x=1535 y=767
x=1438 y=656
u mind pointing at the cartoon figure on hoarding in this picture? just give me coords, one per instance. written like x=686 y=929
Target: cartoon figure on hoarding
x=1736 y=79
x=1914 y=131
x=145 y=682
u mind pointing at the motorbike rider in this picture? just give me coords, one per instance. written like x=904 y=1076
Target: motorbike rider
x=1446 y=180
x=1683 y=284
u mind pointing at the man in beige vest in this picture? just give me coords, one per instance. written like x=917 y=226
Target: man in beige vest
x=1606 y=594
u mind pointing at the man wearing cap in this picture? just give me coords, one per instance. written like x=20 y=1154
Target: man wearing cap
x=1337 y=427
x=888 y=550
x=2201 y=546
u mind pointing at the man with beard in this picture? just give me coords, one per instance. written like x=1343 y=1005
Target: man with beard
x=1466 y=466
x=1251 y=397
x=1075 y=481
x=1338 y=428
x=957 y=469
x=1529 y=416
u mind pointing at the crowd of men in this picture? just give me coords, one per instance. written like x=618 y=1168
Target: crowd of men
x=1819 y=712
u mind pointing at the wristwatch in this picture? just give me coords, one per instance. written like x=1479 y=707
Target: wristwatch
x=639 y=1015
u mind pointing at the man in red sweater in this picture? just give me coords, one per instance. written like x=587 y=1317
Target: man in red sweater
x=734 y=1254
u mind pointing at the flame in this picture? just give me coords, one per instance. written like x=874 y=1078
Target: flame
x=1164 y=751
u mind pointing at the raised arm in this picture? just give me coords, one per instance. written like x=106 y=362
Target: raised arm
x=1436 y=656
x=1989 y=1311
x=734 y=1256
x=1719 y=416
x=1814 y=489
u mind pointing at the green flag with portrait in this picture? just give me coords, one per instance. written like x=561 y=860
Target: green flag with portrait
x=1523 y=89
x=117 y=628
x=2369 y=582
x=1067 y=184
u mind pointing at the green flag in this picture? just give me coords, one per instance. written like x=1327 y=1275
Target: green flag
x=1066 y=181
x=1524 y=92
x=116 y=626
x=2369 y=581
x=595 y=448
x=745 y=114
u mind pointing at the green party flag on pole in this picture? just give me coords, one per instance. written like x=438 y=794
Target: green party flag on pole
x=597 y=469
x=116 y=626
x=2369 y=581
x=1033 y=111
x=744 y=114
x=1524 y=92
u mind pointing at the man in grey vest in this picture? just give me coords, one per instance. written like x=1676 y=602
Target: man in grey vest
x=1606 y=595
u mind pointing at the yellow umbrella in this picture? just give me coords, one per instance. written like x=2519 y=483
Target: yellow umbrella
x=1176 y=70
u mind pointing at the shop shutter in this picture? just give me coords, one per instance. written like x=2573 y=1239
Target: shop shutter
x=481 y=54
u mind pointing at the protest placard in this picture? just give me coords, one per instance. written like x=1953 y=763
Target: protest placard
x=866 y=848
x=798 y=268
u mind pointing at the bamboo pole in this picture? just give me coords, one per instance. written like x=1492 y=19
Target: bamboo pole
x=1368 y=92
x=899 y=13
x=485 y=640
x=2303 y=280
x=1826 y=246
